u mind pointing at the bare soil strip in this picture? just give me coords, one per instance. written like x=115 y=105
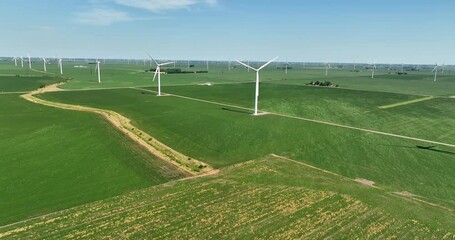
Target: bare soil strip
x=191 y=166
x=314 y=121
x=406 y=102
x=3 y=93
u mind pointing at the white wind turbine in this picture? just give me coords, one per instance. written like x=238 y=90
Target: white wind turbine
x=257 y=82
x=435 y=70
x=60 y=65
x=44 y=64
x=286 y=67
x=29 y=61
x=22 y=61
x=372 y=70
x=327 y=66
x=98 y=70
x=158 y=71
x=15 y=61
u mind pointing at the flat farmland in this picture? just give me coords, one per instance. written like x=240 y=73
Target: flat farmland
x=267 y=198
x=222 y=135
x=53 y=159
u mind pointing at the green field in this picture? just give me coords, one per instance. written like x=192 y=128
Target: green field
x=53 y=159
x=269 y=198
x=222 y=136
x=214 y=124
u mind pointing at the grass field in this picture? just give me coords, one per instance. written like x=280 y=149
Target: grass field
x=223 y=136
x=53 y=159
x=214 y=124
x=268 y=198
x=127 y=75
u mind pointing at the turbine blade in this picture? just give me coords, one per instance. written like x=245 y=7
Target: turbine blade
x=434 y=69
x=152 y=58
x=247 y=66
x=164 y=64
x=263 y=66
x=156 y=72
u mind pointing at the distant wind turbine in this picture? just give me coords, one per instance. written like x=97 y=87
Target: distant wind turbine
x=98 y=70
x=60 y=65
x=29 y=61
x=44 y=64
x=372 y=70
x=435 y=70
x=15 y=61
x=327 y=66
x=22 y=61
x=257 y=81
x=158 y=71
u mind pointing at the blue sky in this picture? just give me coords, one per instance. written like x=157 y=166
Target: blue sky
x=385 y=31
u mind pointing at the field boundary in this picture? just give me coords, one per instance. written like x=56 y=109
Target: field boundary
x=406 y=102
x=313 y=120
x=188 y=165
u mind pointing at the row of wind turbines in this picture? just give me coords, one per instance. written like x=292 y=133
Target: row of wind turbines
x=159 y=65
x=59 y=62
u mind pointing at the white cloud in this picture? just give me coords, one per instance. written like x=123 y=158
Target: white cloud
x=101 y=17
x=163 y=5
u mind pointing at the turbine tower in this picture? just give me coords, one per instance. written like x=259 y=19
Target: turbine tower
x=158 y=71
x=327 y=66
x=15 y=61
x=44 y=64
x=372 y=71
x=29 y=61
x=98 y=70
x=435 y=70
x=257 y=82
x=22 y=61
x=60 y=66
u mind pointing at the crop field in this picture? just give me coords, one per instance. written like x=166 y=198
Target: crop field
x=396 y=132
x=266 y=198
x=222 y=135
x=53 y=159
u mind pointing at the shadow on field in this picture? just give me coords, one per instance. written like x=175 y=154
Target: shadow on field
x=236 y=110
x=428 y=148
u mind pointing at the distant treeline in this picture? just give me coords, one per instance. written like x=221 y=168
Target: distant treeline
x=322 y=84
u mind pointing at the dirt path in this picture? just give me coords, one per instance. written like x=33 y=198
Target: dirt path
x=191 y=166
x=406 y=102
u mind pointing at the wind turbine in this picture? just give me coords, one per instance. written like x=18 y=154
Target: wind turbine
x=158 y=71
x=435 y=70
x=44 y=64
x=257 y=82
x=29 y=61
x=286 y=67
x=207 y=62
x=98 y=70
x=327 y=66
x=15 y=61
x=60 y=65
x=372 y=70
x=22 y=61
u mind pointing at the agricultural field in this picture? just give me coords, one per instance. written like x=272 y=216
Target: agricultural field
x=53 y=159
x=395 y=133
x=270 y=197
